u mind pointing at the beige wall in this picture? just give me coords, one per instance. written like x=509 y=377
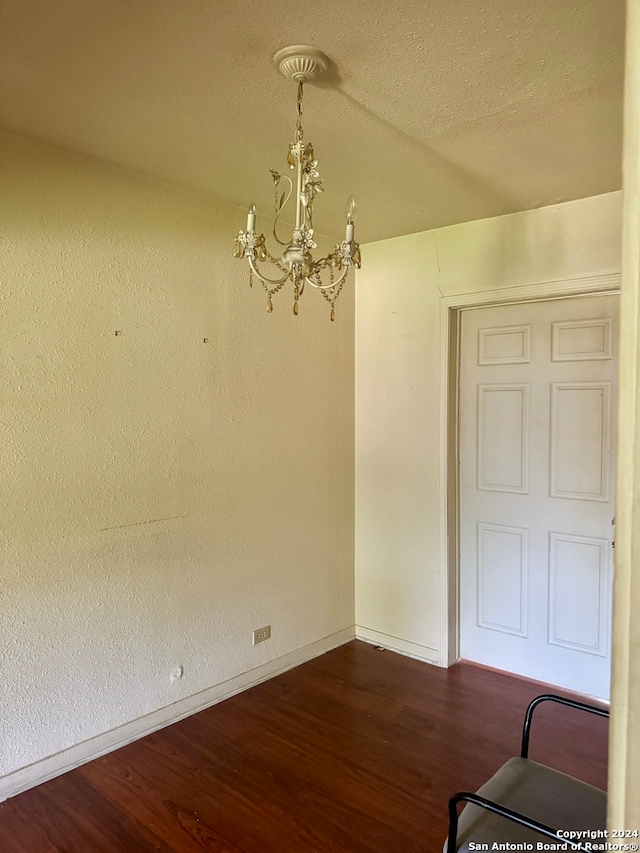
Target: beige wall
x=161 y=496
x=155 y=489
x=398 y=417
x=624 y=751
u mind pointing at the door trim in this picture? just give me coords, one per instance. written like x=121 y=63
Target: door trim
x=448 y=453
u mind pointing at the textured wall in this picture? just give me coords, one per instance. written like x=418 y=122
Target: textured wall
x=398 y=385
x=161 y=495
x=624 y=743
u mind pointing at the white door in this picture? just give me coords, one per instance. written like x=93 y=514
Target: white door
x=537 y=466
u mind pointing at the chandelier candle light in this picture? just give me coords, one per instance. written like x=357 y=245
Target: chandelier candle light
x=299 y=63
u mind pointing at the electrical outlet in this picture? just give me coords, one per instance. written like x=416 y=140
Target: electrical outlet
x=261 y=634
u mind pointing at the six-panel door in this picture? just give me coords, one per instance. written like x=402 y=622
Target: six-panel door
x=537 y=432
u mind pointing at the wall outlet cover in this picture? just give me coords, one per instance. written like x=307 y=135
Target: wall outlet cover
x=261 y=634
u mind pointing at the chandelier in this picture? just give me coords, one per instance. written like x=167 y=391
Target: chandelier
x=296 y=263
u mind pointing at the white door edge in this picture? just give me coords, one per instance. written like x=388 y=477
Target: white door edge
x=451 y=306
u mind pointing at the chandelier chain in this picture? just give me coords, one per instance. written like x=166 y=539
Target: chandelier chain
x=299 y=131
x=276 y=262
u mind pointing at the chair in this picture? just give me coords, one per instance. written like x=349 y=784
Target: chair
x=525 y=800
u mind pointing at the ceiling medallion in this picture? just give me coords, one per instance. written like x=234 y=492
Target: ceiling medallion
x=296 y=263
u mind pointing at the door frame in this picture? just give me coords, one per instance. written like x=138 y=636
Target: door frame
x=450 y=312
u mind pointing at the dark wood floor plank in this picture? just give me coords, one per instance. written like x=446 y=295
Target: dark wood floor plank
x=296 y=779
x=199 y=796
x=354 y=752
x=171 y=799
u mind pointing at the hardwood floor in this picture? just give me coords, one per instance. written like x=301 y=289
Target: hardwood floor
x=356 y=751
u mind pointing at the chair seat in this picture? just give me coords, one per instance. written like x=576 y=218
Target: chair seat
x=538 y=791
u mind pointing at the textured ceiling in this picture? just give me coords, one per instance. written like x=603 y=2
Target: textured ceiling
x=432 y=112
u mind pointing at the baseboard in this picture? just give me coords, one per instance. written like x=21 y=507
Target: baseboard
x=55 y=765
x=396 y=644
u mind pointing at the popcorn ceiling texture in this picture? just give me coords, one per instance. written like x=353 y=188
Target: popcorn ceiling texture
x=162 y=496
x=431 y=113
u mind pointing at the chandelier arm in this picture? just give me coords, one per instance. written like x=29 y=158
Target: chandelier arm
x=282 y=207
x=266 y=280
x=332 y=284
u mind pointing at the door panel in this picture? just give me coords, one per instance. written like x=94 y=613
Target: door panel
x=577 y=622
x=537 y=408
x=580 y=440
x=502 y=578
x=503 y=438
